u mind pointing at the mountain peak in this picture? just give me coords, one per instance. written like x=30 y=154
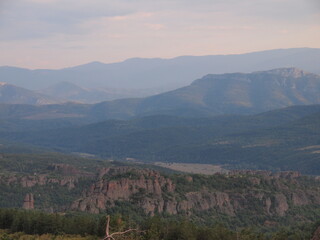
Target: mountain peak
x=287 y=72
x=95 y=63
x=12 y=94
x=241 y=93
x=87 y=66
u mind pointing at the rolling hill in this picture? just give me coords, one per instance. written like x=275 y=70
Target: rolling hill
x=286 y=139
x=67 y=91
x=12 y=94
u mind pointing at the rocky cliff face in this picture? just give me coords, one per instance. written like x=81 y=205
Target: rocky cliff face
x=44 y=179
x=61 y=174
x=316 y=235
x=50 y=189
x=155 y=193
x=253 y=192
x=28 y=202
x=126 y=184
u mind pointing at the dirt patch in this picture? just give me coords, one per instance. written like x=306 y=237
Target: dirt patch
x=206 y=169
x=309 y=147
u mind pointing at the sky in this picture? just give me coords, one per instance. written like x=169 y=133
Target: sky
x=55 y=34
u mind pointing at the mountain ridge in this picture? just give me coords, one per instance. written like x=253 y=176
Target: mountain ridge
x=162 y=74
x=240 y=92
x=12 y=94
x=212 y=95
x=68 y=91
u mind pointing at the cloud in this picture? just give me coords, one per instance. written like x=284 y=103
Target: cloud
x=155 y=26
x=27 y=19
x=84 y=30
x=222 y=28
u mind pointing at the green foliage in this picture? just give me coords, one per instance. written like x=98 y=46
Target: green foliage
x=212 y=182
x=34 y=222
x=39 y=162
x=155 y=228
x=131 y=174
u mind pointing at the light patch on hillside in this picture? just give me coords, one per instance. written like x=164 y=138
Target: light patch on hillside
x=309 y=147
x=207 y=169
x=263 y=144
x=53 y=115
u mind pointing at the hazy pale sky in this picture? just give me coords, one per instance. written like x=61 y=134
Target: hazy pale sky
x=62 y=33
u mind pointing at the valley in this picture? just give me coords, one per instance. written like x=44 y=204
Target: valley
x=274 y=140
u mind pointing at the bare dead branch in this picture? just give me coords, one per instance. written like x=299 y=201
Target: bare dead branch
x=107 y=226
x=109 y=236
x=129 y=230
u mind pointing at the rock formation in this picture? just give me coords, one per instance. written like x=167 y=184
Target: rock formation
x=270 y=194
x=64 y=169
x=316 y=235
x=63 y=175
x=155 y=193
x=132 y=186
x=28 y=202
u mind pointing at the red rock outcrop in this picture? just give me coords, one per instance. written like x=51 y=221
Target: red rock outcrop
x=28 y=202
x=281 y=204
x=300 y=198
x=155 y=193
x=67 y=176
x=316 y=235
x=44 y=179
x=206 y=200
x=64 y=169
x=106 y=191
x=152 y=188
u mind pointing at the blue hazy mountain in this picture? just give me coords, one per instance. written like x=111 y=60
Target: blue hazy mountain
x=212 y=95
x=12 y=94
x=161 y=74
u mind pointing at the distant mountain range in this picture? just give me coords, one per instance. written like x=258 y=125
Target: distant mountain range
x=62 y=92
x=217 y=119
x=161 y=74
x=238 y=93
x=16 y=95
x=66 y=91
x=214 y=94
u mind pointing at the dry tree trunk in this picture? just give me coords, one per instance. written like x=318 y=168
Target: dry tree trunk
x=109 y=236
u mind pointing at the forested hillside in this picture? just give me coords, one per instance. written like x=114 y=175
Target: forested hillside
x=285 y=139
x=237 y=198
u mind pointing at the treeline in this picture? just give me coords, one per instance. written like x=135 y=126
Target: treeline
x=36 y=222
x=154 y=228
